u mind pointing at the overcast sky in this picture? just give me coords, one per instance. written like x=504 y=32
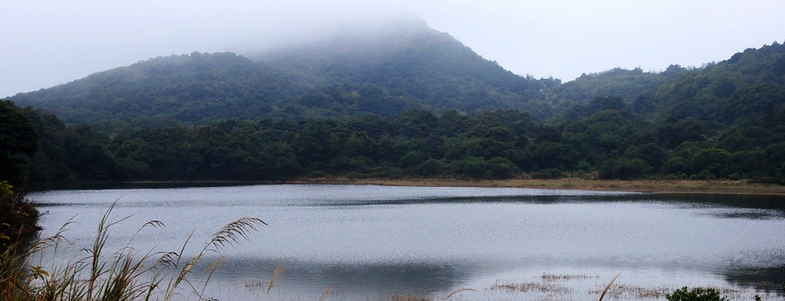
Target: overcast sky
x=45 y=43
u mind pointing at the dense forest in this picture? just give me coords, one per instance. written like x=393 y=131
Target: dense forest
x=408 y=102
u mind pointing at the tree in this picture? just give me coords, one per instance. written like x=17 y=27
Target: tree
x=18 y=142
x=695 y=294
x=713 y=160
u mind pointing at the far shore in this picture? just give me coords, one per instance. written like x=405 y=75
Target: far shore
x=650 y=186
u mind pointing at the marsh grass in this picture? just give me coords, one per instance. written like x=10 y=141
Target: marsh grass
x=125 y=274
x=555 y=277
x=627 y=292
x=553 y=287
x=526 y=287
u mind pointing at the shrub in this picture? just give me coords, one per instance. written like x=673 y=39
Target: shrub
x=551 y=173
x=695 y=294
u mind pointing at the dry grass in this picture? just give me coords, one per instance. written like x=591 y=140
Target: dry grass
x=627 y=292
x=409 y=298
x=554 y=277
x=605 y=291
x=126 y=274
x=655 y=186
x=624 y=291
x=526 y=287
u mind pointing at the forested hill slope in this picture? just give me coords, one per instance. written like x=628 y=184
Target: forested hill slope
x=181 y=87
x=746 y=88
x=398 y=69
x=414 y=60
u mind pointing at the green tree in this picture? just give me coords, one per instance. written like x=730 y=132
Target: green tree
x=18 y=142
x=695 y=294
x=713 y=160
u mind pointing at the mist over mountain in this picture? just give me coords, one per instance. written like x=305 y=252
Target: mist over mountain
x=384 y=71
x=396 y=66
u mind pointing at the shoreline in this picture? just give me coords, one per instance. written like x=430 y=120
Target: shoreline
x=646 y=186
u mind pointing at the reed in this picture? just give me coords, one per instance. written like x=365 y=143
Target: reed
x=126 y=274
x=608 y=286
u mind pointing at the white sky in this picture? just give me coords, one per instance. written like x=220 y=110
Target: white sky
x=45 y=43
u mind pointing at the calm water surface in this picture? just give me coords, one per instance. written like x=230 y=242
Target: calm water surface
x=369 y=242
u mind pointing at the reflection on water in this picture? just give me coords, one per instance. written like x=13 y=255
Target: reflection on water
x=371 y=241
x=766 y=279
x=252 y=275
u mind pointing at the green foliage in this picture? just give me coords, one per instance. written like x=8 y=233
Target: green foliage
x=550 y=173
x=18 y=142
x=411 y=102
x=623 y=168
x=496 y=145
x=759 y=103
x=18 y=217
x=695 y=294
x=412 y=67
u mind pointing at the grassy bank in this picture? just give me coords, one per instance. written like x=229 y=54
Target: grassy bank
x=653 y=186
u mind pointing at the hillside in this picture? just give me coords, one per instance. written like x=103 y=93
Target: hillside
x=401 y=67
x=419 y=63
x=723 y=120
x=185 y=88
x=746 y=88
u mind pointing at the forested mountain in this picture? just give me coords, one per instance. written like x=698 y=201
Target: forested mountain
x=184 y=88
x=400 y=67
x=744 y=88
x=414 y=61
x=406 y=101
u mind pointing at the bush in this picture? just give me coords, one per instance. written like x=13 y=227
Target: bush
x=18 y=217
x=695 y=294
x=551 y=173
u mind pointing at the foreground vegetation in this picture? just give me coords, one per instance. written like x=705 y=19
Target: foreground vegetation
x=18 y=218
x=125 y=274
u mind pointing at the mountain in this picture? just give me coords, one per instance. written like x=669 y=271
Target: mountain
x=186 y=88
x=743 y=88
x=747 y=87
x=424 y=64
x=398 y=67
x=722 y=120
x=401 y=66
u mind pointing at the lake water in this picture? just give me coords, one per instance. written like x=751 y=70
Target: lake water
x=365 y=242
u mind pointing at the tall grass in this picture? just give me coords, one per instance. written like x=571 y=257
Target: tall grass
x=126 y=274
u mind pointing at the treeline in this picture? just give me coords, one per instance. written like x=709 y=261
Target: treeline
x=611 y=143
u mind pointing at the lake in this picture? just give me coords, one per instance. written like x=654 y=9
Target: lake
x=366 y=242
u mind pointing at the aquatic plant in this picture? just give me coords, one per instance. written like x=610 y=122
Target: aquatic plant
x=18 y=218
x=695 y=294
x=128 y=274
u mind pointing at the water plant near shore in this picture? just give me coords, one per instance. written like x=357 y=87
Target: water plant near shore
x=126 y=274
x=18 y=218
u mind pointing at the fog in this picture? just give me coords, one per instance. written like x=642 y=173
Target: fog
x=46 y=43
